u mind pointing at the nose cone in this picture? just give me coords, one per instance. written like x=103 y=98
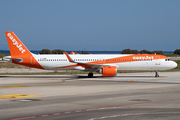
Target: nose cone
x=174 y=64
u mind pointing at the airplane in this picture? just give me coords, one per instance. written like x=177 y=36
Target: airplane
x=105 y=64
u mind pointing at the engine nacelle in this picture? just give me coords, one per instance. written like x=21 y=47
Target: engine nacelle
x=108 y=71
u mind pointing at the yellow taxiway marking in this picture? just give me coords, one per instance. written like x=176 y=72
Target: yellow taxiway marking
x=12 y=96
x=131 y=80
x=158 y=79
x=14 y=86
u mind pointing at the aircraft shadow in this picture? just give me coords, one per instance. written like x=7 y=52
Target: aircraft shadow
x=76 y=76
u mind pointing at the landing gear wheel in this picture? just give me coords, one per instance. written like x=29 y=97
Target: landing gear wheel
x=156 y=74
x=90 y=75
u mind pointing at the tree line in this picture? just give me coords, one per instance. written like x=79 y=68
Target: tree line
x=56 y=51
x=47 y=51
x=129 y=51
x=125 y=51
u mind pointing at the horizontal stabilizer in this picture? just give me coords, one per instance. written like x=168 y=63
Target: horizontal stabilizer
x=8 y=58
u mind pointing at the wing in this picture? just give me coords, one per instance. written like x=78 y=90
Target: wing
x=88 y=65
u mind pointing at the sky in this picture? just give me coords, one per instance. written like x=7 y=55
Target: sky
x=92 y=25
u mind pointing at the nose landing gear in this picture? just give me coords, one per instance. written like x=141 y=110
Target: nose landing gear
x=156 y=74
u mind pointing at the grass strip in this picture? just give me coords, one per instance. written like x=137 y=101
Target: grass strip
x=81 y=72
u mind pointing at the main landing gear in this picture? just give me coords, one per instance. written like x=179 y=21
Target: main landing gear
x=90 y=75
x=156 y=74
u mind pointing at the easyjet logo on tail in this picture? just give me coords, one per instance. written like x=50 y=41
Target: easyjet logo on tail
x=18 y=45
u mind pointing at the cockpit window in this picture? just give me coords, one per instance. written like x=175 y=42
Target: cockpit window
x=167 y=59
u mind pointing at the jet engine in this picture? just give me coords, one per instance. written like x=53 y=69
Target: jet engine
x=108 y=71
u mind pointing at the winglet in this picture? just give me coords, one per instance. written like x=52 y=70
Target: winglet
x=68 y=57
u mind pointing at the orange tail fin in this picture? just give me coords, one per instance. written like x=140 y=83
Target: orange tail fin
x=19 y=53
x=16 y=47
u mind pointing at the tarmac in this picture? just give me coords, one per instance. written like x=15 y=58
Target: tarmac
x=76 y=97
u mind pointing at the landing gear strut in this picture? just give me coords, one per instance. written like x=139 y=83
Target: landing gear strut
x=156 y=74
x=90 y=75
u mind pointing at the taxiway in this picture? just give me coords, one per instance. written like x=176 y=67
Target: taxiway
x=76 y=97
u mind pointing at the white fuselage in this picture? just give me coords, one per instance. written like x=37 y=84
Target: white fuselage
x=59 y=62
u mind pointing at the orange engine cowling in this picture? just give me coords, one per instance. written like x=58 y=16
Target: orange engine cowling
x=108 y=71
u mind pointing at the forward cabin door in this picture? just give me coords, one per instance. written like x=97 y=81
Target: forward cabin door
x=157 y=60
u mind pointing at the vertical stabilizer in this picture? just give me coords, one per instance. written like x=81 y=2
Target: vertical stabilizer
x=16 y=47
x=19 y=53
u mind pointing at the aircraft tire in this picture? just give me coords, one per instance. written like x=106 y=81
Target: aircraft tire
x=90 y=75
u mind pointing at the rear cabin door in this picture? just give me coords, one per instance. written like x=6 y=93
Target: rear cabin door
x=32 y=60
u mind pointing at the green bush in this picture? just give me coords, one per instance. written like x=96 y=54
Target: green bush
x=158 y=52
x=47 y=51
x=129 y=51
x=57 y=51
x=177 y=51
x=145 y=52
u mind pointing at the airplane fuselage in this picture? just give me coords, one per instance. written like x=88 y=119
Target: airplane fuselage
x=121 y=61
